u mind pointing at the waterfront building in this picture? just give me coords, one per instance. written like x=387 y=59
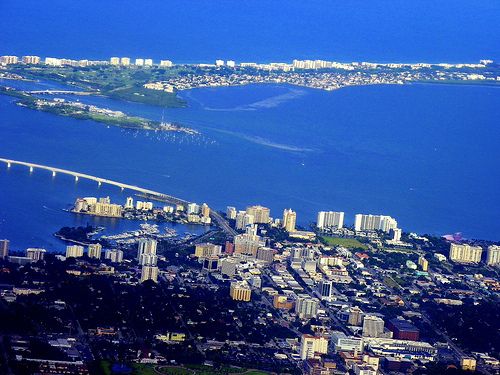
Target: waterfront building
x=396 y=234
x=464 y=253
x=129 y=204
x=35 y=254
x=166 y=63
x=330 y=220
x=493 y=255
x=206 y=250
x=149 y=273
x=231 y=212
x=230 y=63
x=373 y=326
x=6 y=60
x=94 y=251
x=306 y=307
x=289 y=220
x=243 y=219
x=115 y=255
x=125 y=61
x=31 y=59
x=139 y=62
x=205 y=210
x=240 y=291
x=374 y=222
x=148 y=62
x=193 y=208
x=52 y=61
x=311 y=345
x=4 y=248
x=114 y=61
x=74 y=251
x=260 y=214
x=219 y=62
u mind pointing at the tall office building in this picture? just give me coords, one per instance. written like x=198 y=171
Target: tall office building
x=35 y=254
x=374 y=222
x=205 y=210
x=129 y=204
x=423 y=263
x=125 y=61
x=94 y=250
x=231 y=212
x=247 y=244
x=289 y=220
x=306 y=307
x=464 y=253
x=193 y=208
x=240 y=291
x=74 y=251
x=243 y=219
x=259 y=213
x=325 y=289
x=330 y=219
x=114 y=61
x=312 y=345
x=31 y=59
x=373 y=326
x=4 y=248
x=115 y=255
x=493 y=255
x=149 y=273
x=206 y=250
x=146 y=252
x=139 y=62
x=355 y=316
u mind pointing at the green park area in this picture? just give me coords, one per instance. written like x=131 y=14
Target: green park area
x=349 y=243
x=152 y=369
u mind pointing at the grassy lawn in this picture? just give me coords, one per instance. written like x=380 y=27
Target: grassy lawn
x=350 y=243
x=150 y=369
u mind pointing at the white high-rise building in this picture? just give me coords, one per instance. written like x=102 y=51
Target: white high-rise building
x=115 y=255
x=306 y=307
x=465 y=253
x=125 y=61
x=373 y=326
x=74 y=251
x=259 y=213
x=148 y=62
x=146 y=252
x=166 y=63
x=193 y=208
x=374 y=222
x=139 y=62
x=114 y=61
x=219 y=62
x=231 y=212
x=493 y=255
x=35 y=254
x=129 y=204
x=312 y=345
x=243 y=219
x=149 y=273
x=330 y=219
x=94 y=250
x=231 y=63
x=289 y=220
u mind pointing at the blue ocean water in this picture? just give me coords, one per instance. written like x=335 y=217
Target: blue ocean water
x=425 y=154
x=254 y=30
x=428 y=155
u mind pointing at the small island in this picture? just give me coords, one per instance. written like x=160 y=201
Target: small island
x=78 y=110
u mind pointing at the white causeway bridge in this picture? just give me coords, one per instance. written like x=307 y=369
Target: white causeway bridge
x=151 y=194
x=77 y=175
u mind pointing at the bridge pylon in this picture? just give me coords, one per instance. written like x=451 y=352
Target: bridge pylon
x=53 y=173
x=31 y=169
x=76 y=178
